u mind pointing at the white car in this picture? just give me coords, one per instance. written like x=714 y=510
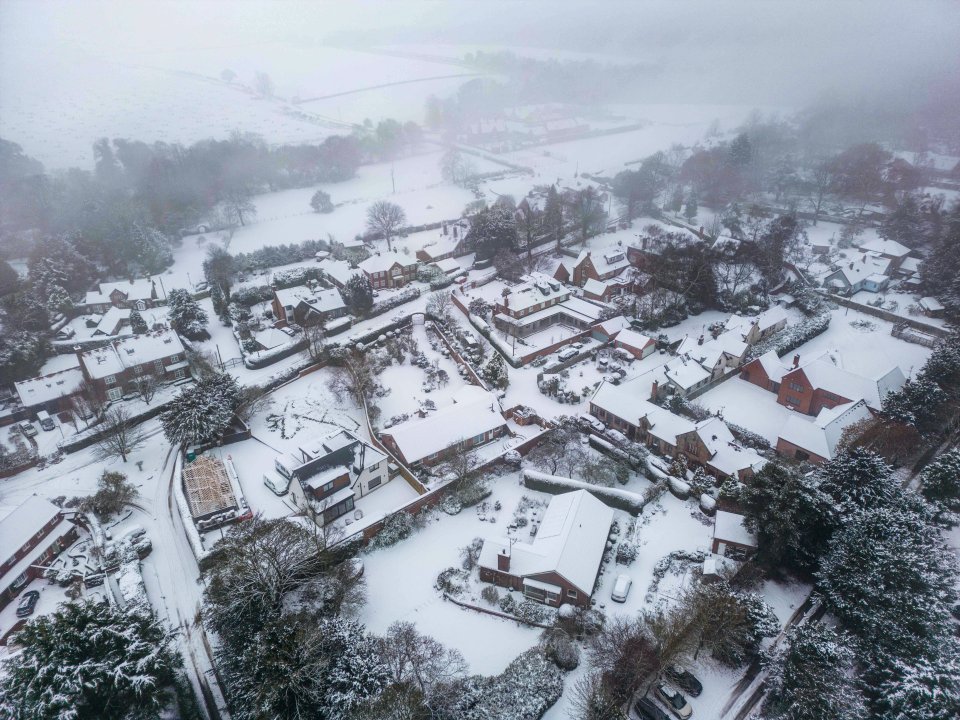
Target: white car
x=277 y=485
x=621 y=588
x=567 y=354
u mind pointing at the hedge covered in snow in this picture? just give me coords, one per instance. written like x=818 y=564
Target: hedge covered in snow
x=792 y=336
x=621 y=499
x=393 y=301
x=527 y=688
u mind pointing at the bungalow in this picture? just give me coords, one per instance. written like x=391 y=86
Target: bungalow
x=821 y=384
x=816 y=441
x=866 y=271
x=474 y=418
x=731 y=537
x=446 y=247
x=112 y=369
x=51 y=392
x=895 y=252
x=448 y=266
x=389 y=270
x=305 y=306
x=638 y=345
x=31 y=536
x=766 y=371
x=138 y=294
x=561 y=564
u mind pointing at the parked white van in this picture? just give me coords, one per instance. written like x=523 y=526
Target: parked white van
x=46 y=422
x=286 y=464
x=276 y=484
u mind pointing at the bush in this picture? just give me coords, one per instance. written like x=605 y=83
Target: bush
x=560 y=650
x=490 y=594
x=534 y=612
x=452 y=581
x=396 y=527
x=508 y=604
x=626 y=553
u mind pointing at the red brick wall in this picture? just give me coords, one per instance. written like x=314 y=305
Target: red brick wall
x=788 y=449
x=753 y=372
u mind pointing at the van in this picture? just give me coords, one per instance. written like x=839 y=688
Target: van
x=276 y=484
x=285 y=465
x=567 y=354
x=46 y=422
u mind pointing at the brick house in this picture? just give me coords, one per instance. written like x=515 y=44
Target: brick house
x=637 y=344
x=816 y=442
x=138 y=294
x=766 y=371
x=53 y=392
x=561 y=564
x=305 y=307
x=711 y=445
x=820 y=384
x=731 y=538
x=31 y=537
x=389 y=270
x=111 y=370
x=604 y=266
x=538 y=293
x=475 y=418
x=448 y=246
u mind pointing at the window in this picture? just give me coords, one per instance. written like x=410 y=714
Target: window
x=110 y=380
x=796 y=387
x=138 y=369
x=792 y=400
x=801 y=455
x=374 y=483
x=571 y=593
x=114 y=394
x=158 y=365
x=327 y=487
x=179 y=374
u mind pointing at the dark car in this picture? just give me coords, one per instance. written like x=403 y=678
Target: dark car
x=27 y=603
x=685 y=680
x=646 y=709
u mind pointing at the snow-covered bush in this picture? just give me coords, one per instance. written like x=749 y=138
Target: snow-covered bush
x=507 y=603
x=532 y=611
x=393 y=301
x=626 y=553
x=295 y=276
x=452 y=581
x=559 y=648
x=793 y=336
x=396 y=527
x=490 y=594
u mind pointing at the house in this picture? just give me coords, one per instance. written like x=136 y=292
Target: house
x=821 y=384
x=684 y=374
x=708 y=355
x=712 y=446
x=111 y=370
x=138 y=294
x=816 y=441
x=909 y=268
x=305 y=306
x=539 y=292
x=389 y=270
x=820 y=246
x=931 y=307
x=865 y=271
x=602 y=266
x=112 y=321
x=561 y=563
x=52 y=392
x=766 y=371
x=448 y=266
x=31 y=535
x=340 y=468
x=338 y=272
x=608 y=329
x=541 y=302
x=731 y=537
x=474 y=418
x=752 y=329
x=213 y=492
x=448 y=246
x=637 y=344
x=895 y=252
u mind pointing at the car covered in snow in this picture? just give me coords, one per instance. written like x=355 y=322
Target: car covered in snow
x=27 y=603
x=684 y=679
x=647 y=709
x=588 y=422
x=567 y=354
x=28 y=428
x=621 y=588
x=276 y=484
x=674 y=700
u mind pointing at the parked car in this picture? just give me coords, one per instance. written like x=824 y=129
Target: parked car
x=46 y=422
x=567 y=353
x=685 y=680
x=602 y=362
x=646 y=709
x=675 y=702
x=27 y=603
x=588 y=422
x=621 y=588
x=285 y=465
x=28 y=428
x=201 y=286
x=276 y=484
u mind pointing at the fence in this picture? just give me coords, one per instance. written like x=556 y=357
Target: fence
x=887 y=315
x=487 y=611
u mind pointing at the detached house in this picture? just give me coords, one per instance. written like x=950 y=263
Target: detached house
x=31 y=536
x=475 y=418
x=893 y=251
x=637 y=344
x=338 y=272
x=602 y=266
x=541 y=302
x=561 y=564
x=815 y=441
x=753 y=329
x=131 y=294
x=305 y=306
x=821 y=384
x=448 y=246
x=711 y=445
x=112 y=369
x=866 y=271
x=389 y=270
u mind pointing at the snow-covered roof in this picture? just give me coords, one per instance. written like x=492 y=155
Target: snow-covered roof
x=631 y=338
x=45 y=388
x=23 y=522
x=886 y=247
x=861 y=267
x=770 y=317
x=608 y=261
x=595 y=287
x=129 y=352
x=362 y=455
x=666 y=426
x=823 y=374
x=445 y=245
x=628 y=401
x=773 y=366
x=271 y=338
x=339 y=271
x=386 y=260
x=930 y=304
x=685 y=372
x=725 y=454
x=570 y=542
x=821 y=435
x=449 y=266
x=538 y=288
x=910 y=265
x=731 y=342
x=139 y=289
x=320 y=300
x=729 y=527
x=614 y=325
x=588 y=310
x=474 y=412
x=110 y=321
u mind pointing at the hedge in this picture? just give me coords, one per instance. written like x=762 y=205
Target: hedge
x=621 y=499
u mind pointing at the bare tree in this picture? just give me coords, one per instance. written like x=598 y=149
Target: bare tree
x=87 y=403
x=733 y=275
x=146 y=386
x=591 y=699
x=420 y=663
x=354 y=375
x=386 y=218
x=821 y=180
x=439 y=304
x=316 y=340
x=238 y=208
x=119 y=436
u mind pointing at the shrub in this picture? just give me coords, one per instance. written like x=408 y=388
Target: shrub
x=535 y=612
x=559 y=649
x=396 y=527
x=490 y=594
x=507 y=603
x=452 y=581
x=626 y=553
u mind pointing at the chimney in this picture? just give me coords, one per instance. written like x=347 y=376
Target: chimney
x=653 y=390
x=503 y=561
x=796 y=360
x=700 y=340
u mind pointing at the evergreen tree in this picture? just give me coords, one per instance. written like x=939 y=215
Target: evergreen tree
x=928 y=689
x=495 y=372
x=137 y=323
x=791 y=516
x=203 y=412
x=676 y=199
x=219 y=267
x=857 y=479
x=88 y=661
x=150 y=250
x=918 y=403
x=22 y=354
x=491 y=230
x=219 y=301
x=940 y=485
x=359 y=295
x=811 y=678
x=186 y=316
x=58 y=301
x=9 y=278
x=690 y=209
x=741 y=151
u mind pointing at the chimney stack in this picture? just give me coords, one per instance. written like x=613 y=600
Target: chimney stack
x=503 y=561
x=653 y=390
x=700 y=340
x=796 y=360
